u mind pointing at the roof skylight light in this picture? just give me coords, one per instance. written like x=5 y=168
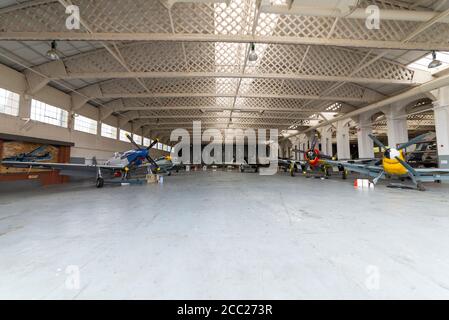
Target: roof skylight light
x=423 y=63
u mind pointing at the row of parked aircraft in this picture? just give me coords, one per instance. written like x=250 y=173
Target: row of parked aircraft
x=392 y=165
x=124 y=165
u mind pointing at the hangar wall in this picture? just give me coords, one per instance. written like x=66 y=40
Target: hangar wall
x=86 y=145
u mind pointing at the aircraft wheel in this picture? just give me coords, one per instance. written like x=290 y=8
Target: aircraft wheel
x=420 y=187
x=100 y=183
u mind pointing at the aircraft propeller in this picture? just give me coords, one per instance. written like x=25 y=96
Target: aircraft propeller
x=133 y=142
x=402 y=146
x=148 y=154
x=377 y=142
x=150 y=160
x=413 y=141
x=314 y=142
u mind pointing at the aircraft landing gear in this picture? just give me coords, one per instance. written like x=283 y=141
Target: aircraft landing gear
x=344 y=172
x=292 y=169
x=100 y=183
x=420 y=187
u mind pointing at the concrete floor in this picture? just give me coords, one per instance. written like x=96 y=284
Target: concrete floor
x=225 y=235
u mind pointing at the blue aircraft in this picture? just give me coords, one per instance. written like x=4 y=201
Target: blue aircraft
x=121 y=165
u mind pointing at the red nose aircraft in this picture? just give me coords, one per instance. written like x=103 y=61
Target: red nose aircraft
x=315 y=160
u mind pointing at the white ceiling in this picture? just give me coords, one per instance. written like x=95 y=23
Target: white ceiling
x=193 y=19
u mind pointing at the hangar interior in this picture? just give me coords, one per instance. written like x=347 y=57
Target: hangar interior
x=326 y=74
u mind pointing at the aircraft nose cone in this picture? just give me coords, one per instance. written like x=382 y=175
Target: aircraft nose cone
x=392 y=153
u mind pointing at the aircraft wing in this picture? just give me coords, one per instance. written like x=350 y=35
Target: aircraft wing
x=366 y=169
x=433 y=171
x=431 y=175
x=67 y=169
x=165 y=166
x=284 y=162
x=368 y=161
x=287 y=163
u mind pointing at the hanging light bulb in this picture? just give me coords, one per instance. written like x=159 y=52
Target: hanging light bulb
x=435 y=63
x=252 y=57
x=53 y=54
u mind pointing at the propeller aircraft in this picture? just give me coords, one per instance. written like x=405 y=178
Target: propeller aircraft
x=120 y=166
x=394 y=164
x=315 y=161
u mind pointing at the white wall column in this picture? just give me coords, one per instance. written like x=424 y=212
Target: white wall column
x=343 y=146
x=302 y=145
x=99 y=123
x=365 y=144
x=326 y=140
x=441 y=110
x=118 y=128
x=298 y=147
x=396 y=124
x=295 y=146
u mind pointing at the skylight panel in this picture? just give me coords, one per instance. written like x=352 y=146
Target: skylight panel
x=423 y=63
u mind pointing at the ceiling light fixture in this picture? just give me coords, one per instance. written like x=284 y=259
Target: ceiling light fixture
x=435 y=63
x=252 y=57
x=53 y=53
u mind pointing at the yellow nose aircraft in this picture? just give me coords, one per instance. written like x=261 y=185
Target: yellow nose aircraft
x=394 y=164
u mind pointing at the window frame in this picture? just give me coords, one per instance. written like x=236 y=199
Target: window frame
x=42 y=117
x=5 y=99
x=146 y=139
x=108 y=136
x=138 y=139
x=125 y=139
x=81 y=128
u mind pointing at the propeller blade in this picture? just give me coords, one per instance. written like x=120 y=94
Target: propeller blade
x=416 y=140
x=150 y=160
x=133 y=142
x=155 y=142
x=377 y=141
x=314 y=142
x=410 y=169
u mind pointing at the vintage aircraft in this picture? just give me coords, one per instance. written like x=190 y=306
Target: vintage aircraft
x=38 y=154
x=393 y=164
x=316 y=162
x=120 y=166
